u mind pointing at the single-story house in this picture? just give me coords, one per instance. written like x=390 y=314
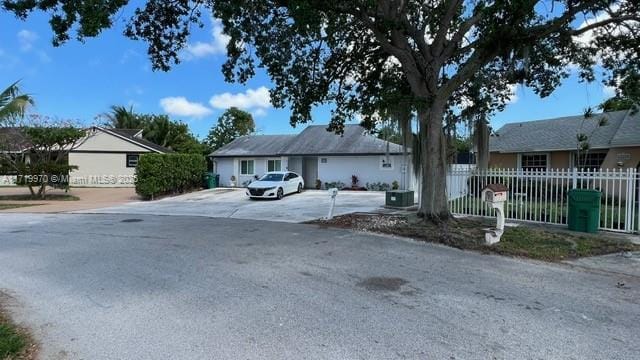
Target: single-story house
x=552 y=143
x=105 y=157
x=317 y=155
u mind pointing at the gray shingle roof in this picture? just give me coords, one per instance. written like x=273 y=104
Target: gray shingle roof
x=314 y=140
x=129 y=134
x=255 y=145
x=622 y=129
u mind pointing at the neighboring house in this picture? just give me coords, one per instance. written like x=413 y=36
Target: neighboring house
x=552 y=144
x=316 y=154
x=105 y=157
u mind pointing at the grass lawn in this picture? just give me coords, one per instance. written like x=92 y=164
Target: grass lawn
x=15 y=343
x=27 y=197
x=531 y=241
x=15 y=206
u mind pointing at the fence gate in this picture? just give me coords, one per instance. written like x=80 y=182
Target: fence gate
x=541 y=195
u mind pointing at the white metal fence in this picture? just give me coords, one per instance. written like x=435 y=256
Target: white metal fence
x=541 y=195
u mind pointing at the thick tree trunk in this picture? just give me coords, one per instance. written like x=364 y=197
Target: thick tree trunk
x=482 y=143
x=433 y=198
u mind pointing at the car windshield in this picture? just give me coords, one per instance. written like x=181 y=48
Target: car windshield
x=272 y=177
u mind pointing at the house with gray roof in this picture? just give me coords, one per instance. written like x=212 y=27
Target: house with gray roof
x=316 y=154
x=552 y=143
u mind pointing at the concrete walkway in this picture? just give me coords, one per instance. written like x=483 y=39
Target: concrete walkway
x=233 y=203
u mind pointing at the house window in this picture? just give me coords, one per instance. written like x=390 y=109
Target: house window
x=531 y=162
x=590 y=160
x=132 y=160
x=274 y=165
x=246 y=167
x=386 y=163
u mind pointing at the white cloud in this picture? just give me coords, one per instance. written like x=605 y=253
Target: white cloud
x=217 y=44
x=180 y=106
x=513 y=88
x=609 y=91
x=251 y=99
x=26 y=38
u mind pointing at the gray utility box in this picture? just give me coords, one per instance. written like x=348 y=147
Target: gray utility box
x=399 y=198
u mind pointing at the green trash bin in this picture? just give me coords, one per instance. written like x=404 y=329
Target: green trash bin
x=584 y=210
x=212 y=181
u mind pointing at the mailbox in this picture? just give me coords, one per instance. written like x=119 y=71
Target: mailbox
x=494 y=193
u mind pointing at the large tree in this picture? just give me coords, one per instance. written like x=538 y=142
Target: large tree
x=346 y=53
x=232 y=124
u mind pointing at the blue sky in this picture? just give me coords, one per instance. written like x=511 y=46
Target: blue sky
x=82 y=80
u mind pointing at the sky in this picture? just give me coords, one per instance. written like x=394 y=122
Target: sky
x=79 y=81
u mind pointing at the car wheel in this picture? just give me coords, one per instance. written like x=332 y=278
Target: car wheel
x=299 y=188
x=280 y=193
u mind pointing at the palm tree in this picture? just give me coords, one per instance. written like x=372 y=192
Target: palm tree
x=13 y=104
x=122 y=118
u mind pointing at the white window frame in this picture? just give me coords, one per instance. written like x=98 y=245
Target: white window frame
x=383 y=160
x=254 y=167
x=280 y=160
x=546 y=154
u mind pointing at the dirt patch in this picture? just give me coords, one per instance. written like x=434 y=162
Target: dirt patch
x=382 y=283
x=131 y=220
x=536 y=242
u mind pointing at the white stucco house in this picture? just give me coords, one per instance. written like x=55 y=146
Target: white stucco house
x=105 y=157
x=316 y=154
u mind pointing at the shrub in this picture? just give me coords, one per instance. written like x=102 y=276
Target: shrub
x=378 y=186
x=336 y=184
x=160 y=174
x=395 y=185
x=318 y=184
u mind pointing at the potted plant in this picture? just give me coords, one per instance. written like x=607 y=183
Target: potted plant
x=354 y=182
x=232 y=181
x=318 y=184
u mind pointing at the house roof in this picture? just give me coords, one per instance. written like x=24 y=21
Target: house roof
x=13 y=139
x=135 y=136
x=314 y=140
x=622 y=129
x=255 y=145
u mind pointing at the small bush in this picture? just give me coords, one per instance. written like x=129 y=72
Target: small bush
x=336 y=184
x=160 y=174
x=378 y=186
x=395 y=185
x=318 y=184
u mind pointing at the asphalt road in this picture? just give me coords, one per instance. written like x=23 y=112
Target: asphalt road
x=158 y=287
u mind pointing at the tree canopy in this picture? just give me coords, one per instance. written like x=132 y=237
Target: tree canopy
x=359 y=55
x=232 y=124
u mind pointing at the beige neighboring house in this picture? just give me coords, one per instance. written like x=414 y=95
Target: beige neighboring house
x=552 y=144
x=105 y=157
x=108 y=157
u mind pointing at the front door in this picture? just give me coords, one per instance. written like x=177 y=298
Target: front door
x=310 y=172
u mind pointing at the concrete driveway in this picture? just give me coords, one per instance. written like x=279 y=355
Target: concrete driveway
x=180 y=287
x=233 y=203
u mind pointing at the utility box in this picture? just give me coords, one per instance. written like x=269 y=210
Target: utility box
x=399 y=198
x=584 y=210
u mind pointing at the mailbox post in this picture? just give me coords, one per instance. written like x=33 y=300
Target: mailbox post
x=333 y=192
x=495 y=195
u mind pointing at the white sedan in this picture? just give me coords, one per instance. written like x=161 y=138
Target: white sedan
x=275 y=184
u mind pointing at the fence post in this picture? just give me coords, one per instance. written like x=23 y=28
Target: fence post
x=629 y=200
x=574 y=177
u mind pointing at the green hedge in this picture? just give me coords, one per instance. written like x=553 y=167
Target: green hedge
x=160 y=174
